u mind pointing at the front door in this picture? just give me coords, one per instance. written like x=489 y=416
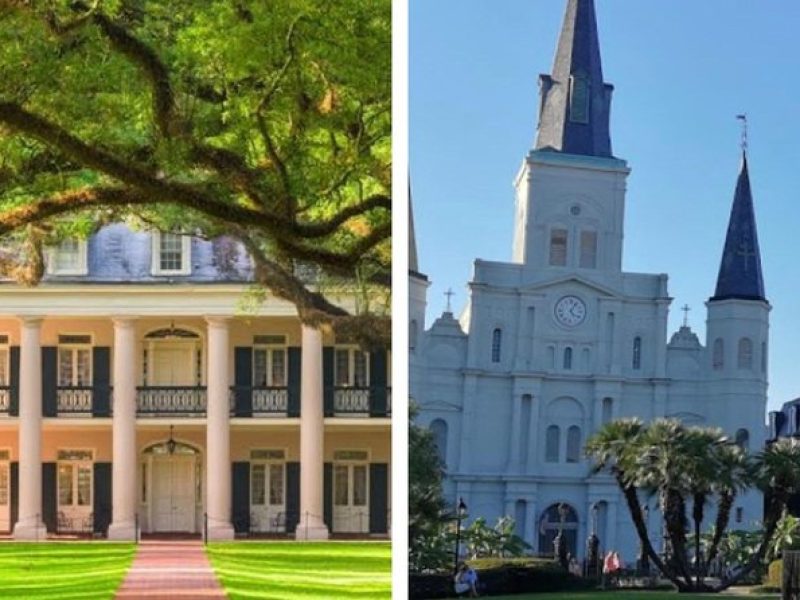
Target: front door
x=75 y=487
x=173 y=364
x=5 y=496
x=267 y=498
x=350 y=498
x=173 y=498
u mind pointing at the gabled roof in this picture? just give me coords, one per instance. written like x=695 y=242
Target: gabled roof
x=740 y=276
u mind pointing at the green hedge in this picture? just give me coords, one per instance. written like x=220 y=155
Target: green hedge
x=501 y=576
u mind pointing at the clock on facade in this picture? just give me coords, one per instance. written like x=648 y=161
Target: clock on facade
x=570 y=311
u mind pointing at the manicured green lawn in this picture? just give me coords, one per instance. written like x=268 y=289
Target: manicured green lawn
x=63 y=571
x=630 y=595
x=280 y=570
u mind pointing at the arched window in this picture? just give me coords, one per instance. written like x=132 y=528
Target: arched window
x=558 y=247
x=412 y=335
x=552 y=442
x=574 y=444
x=745 y=355
x=637 y=353
x=520 y=514
x=526 y=408
x=567 y=358
x=579 y=98
x=743 y=439
x=556 y=517
x=718 y=355
x=588 y=257
x=439 y=430
x=608 y=407
x=497 y=340
x=551 y=357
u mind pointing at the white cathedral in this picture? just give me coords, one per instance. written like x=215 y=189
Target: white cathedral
x=561 y=340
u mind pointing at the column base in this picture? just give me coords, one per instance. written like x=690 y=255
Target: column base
x=30 y=532
x=314 y=529
x=123 y=532
x=220 y=532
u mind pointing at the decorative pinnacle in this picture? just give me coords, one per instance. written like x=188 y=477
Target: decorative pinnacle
x=743 y=119
x=686 y=310
x=449 y=294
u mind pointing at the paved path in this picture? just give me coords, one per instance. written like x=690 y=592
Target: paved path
x=170 y=569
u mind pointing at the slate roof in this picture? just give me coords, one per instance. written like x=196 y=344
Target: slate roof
x=578 y=55
x=740 y=274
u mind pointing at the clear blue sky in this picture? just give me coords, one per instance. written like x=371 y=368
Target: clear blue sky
x=682 y=71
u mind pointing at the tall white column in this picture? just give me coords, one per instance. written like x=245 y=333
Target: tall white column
x=124 y=466
x=312 y=436
x=218 y=435
x=30 y=525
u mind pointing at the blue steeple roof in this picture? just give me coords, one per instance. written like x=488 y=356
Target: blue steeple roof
x=740 y=270
x=575 y=102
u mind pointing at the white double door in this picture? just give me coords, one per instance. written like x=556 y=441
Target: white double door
x=350 y=498
x=173 y=494
x=5 y=496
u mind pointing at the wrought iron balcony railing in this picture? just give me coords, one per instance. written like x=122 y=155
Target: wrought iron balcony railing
x=351 y=401
x=5 y=399
x=160 y=401
x=259 y=401
x=71 y=400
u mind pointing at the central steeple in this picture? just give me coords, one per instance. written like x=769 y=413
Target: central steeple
x=575 y=103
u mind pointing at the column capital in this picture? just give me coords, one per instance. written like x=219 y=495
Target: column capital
x=218 y=320
x=124 y=321
x=31 y=320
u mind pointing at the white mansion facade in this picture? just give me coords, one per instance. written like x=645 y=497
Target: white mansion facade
x=136 y=391
x=561 y=340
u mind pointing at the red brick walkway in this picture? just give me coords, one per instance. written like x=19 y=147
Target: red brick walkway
x=170 y=569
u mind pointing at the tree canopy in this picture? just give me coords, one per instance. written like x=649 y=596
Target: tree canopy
x=265 y=121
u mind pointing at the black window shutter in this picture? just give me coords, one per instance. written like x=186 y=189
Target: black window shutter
x=101 y=382
x=378 y=497
x=295 y=357
x=327 y=495
x=13 y=409
x=49 y=381
x=292 y=496
x=377 y=374
x=241 y=496
x=102 y=497
x=14 y=495
x=243 y=381
x=49 y=496
x=327 y=380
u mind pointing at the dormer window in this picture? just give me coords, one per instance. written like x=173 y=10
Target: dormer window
x=67 y=258
x=579 y=98
x=171 y=254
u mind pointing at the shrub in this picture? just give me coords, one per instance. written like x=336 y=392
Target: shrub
x=774 y=577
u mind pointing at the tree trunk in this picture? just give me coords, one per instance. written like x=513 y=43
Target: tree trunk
x=720 y=526
x=675 y=518
x=698 y=503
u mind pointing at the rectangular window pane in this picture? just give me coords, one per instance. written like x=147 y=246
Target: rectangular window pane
x=171 y=252
x=3 y=366
x=276 y=485
x=257 y=484
x=342 y=367
x=558 y=247
x=67 y=256
x=278 y=367
x=588 y=249
x=84 y=486
x=360 y=368
x=4 y=484
x=65 y=485
x=260 y=367
x=65 y=366
x=340 y=485
x=359 y=485
x=84 y=368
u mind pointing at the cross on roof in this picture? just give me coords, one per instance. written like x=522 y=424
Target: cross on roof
x=746 y=251
x=743 y=119
x=686 y=310
x=449 y=293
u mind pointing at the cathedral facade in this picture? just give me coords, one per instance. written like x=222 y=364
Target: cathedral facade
x=561 y=340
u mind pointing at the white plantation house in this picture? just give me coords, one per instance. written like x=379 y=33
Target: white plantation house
x=135 y=390
x=561 y=340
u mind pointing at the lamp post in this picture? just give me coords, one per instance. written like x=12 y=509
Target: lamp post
x=560 y=544
x=593 y=544
x=644 y=560
x=461 y=512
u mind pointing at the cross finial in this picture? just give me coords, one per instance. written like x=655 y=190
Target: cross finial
x=743 y=119
x=686 y=310
x=449 y=293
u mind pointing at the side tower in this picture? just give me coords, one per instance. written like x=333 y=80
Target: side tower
x=738 y=327
x=570 y=192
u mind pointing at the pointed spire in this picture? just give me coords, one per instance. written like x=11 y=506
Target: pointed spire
x=740 y=270
x=575 y=102
x=413 y=263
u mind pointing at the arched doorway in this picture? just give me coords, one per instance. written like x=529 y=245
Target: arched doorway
x=551 y=521
x=171 y=487
x=172 y=357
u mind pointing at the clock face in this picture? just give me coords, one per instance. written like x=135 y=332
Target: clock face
x=570 y=311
